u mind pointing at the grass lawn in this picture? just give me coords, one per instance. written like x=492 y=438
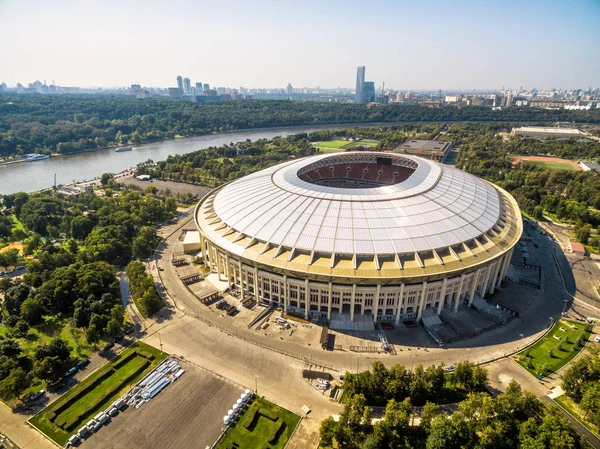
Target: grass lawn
x=538 y=353
x=363 y=142
x=331 y=144
x=335 y=146
x=258 y=433
x=52 y=327
x=16 y=223
x=138 y=304
x=570 y=405
x=78 y=405
x=552 y=165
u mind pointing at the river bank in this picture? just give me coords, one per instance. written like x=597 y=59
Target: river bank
x=316 y=127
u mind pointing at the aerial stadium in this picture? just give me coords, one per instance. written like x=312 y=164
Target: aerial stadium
x=383 y=236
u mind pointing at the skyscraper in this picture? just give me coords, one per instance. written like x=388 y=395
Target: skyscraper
x=180 y=84
x=186 y=86
x=368 y=94
x=360 y=84
x=198 y=87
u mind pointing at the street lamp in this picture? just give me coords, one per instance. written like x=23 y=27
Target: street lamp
x=566 y=301
x=256 y=384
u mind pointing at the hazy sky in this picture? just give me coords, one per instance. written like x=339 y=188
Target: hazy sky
x=252 y=43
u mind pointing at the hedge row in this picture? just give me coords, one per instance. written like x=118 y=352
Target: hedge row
x=117 y=364
x=249 y=418
x=275 y=431
x=92 y=406
x=75 y=397
x=268 y=414
x=146 y=354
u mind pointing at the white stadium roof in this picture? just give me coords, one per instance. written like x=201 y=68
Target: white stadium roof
x=437 y=207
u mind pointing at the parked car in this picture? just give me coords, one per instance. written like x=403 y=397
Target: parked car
x=83 y=363
x=35 y=396
x=19 y=267
x=597 y=339
x=107 y=346
x=449 y=368
x=70 y=372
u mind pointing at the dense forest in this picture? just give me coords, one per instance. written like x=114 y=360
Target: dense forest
x=69 y=123
x=75 y=244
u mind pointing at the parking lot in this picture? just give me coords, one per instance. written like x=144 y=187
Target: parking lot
x=188 y=413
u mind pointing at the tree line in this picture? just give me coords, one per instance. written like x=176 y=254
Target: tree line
x=512 y=420
x=70 y=123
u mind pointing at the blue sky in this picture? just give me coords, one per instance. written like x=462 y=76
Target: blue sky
x=449 y=44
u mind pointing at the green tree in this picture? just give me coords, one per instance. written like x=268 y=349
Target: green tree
x=145 y=242
x=327 y=431
x=92 y=335
x=12 y=385
x=429 y=412
x=32 y=310
x=18 y=234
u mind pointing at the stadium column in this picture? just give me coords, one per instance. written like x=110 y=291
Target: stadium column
x=474 y=286
x=352 y=302
x=460 y=286
x=376 y=305
x=442 y=296
x=219 y=263
x=256 y=295
x=241 y=279
x=329 y=302
x=496 y=270
x=399 y=303
x=306 y=298
x=228 y=271
x=486 y=280
x=284 y=292
x=202 y=247
x=507 y=258
x=422 y=301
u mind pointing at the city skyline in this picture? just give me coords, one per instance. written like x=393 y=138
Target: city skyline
x=434 y=45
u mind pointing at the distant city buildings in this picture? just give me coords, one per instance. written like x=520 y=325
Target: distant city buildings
x=365 y=90
x=360 y=84
x=187 y=86
x=180 y=84
x=368 y=92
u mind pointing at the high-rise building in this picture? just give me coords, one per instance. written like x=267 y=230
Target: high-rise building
x=180 y=84
x=186 y=86
x=368 y=94
x=289 y=90
x=206 y=87
x=198 y=87
x=360 y=84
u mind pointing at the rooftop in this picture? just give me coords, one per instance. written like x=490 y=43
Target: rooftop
x=429 y=214
x=542 y=130
x=423 y=146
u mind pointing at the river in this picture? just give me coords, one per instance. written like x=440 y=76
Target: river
x=38 y=175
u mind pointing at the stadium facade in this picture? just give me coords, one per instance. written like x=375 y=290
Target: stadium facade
x=369 y=233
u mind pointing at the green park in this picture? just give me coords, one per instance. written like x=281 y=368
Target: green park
x=262 y=425
x=557 y=348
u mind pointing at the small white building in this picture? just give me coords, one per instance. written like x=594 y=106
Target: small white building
x=588 y=166
x=191 y=242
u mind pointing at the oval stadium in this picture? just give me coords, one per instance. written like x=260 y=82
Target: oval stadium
x=360 y=235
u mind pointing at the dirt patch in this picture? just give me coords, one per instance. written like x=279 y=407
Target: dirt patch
x=516 y=159
x=16 y=245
